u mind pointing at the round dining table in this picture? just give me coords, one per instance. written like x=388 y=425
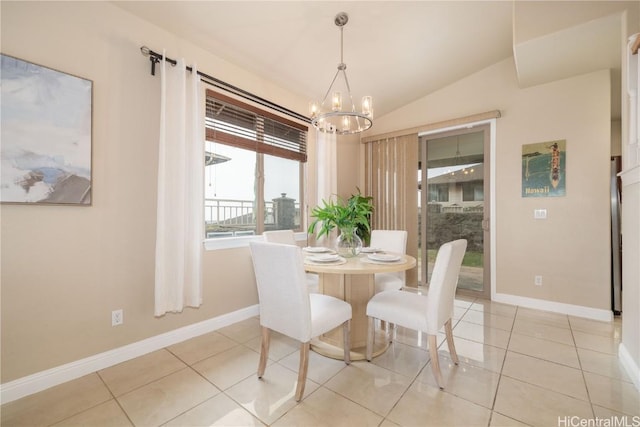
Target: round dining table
x=353 y=280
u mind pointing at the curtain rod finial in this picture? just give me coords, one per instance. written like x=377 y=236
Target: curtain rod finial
x=145 y=50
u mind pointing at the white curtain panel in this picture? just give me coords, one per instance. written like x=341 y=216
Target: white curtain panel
x=180 y=212
x=327 y=166
x=327 y=162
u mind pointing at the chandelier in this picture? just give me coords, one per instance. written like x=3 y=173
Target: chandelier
x=339 y=116
x=458 y=161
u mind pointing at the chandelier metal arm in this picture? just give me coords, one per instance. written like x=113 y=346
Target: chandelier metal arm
x=330 y=86
x=353 y=105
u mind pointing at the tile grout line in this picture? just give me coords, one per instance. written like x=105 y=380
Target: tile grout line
x=224 y=391
x=425 y=367
x=115 y=398
x=584 y=378
x=466 y=310
x=415 y=378
x=504 y=360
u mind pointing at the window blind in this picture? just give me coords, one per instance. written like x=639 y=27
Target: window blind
x=232 y=122
x=391 y=166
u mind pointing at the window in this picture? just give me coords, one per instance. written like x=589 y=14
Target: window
x=472 y=191
x=253 y=169
x=438 y=192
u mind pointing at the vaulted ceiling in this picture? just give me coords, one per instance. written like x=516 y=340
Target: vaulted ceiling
x=399 y=51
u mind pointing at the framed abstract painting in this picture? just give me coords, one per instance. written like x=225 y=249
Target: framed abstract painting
x=46 y=130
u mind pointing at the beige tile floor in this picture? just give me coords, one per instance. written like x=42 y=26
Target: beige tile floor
x=518 y=367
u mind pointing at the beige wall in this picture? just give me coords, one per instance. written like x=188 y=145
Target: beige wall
x=348 y=167
x=571 y=248
x=616 y=138
x=64 y=269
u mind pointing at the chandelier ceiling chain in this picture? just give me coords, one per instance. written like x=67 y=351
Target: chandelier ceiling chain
x=459 y=161
x=336 y=119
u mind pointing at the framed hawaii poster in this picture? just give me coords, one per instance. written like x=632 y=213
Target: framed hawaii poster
x=45 y=125
x=544 y=169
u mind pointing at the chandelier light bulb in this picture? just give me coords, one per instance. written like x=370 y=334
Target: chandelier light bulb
x=367 y=106
x=346 y=123
x=336 y=101
x=314 y=109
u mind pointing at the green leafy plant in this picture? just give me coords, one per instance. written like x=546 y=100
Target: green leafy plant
x=354 y=214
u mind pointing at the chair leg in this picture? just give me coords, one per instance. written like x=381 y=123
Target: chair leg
x=388 y=328
x=346 y=332
x=371 y=332
x=435 y=363
x=302 y=370
x=450 y=343
x=264 y=351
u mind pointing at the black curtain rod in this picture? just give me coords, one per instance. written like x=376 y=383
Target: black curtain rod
x=155 y=57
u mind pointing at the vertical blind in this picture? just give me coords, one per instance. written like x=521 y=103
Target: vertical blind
x=392 y=179
x=391 y=168
x=235 y=123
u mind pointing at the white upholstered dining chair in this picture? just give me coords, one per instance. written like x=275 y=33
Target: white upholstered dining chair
x=287 y=307
x=389 y=241
x=426 y=313
x=287 y=237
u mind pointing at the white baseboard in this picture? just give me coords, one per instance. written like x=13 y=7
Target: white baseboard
x=629 y=365
x=556 y=307
x=51 y=377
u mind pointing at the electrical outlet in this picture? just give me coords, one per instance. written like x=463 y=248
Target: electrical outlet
x=117 y=317
x=538 y=280
x=540 y=213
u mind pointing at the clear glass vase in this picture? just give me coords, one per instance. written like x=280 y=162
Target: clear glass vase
x=348 y=244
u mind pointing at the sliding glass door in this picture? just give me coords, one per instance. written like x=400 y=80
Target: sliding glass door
x=453 y=187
